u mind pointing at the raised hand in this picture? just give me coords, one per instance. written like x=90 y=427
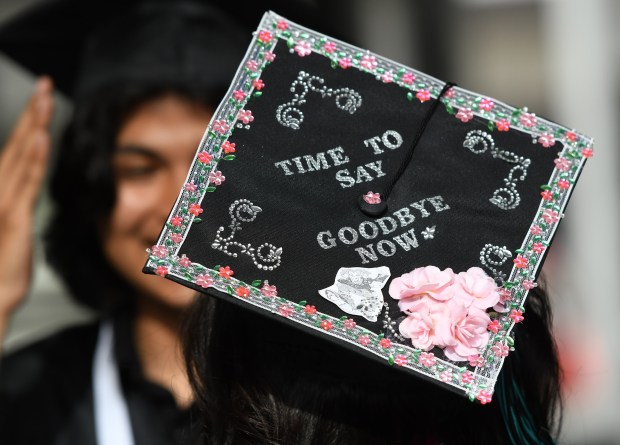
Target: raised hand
x=23 y=162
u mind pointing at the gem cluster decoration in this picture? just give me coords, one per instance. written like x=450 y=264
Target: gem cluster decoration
x=477 y=375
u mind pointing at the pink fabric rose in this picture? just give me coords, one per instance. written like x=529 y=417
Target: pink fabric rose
x=469 y=332
x=429 y=281
x=476 y=288
x=428 y=325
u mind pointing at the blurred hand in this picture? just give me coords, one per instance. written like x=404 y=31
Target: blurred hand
x=23 y=162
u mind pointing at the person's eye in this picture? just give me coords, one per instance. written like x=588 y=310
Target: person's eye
x=135 y=172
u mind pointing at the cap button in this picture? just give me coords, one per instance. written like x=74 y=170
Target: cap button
x=372 y=204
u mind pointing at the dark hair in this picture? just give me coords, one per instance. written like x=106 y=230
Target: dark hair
x=258 y=381
x=83 y=192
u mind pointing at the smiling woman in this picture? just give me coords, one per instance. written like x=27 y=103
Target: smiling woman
x=140 y=109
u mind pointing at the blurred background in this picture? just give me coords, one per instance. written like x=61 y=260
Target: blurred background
x=561 y=59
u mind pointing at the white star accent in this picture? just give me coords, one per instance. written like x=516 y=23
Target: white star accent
x=429 y=233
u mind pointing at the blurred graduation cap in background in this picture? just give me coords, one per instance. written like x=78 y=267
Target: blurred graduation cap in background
x=86 y=45
x=360 y=200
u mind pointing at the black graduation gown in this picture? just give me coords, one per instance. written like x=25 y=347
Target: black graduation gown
x=46 y=394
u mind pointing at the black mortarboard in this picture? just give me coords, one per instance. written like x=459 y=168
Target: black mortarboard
x=360 y=200
x=84 y=45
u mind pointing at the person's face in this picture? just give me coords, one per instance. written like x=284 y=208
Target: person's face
x=154 y=148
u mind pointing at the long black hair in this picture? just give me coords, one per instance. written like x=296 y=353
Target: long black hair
x=83 y=190
x=258 y=381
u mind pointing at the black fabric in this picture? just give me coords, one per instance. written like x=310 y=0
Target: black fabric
x=46 y=393
x=297 y=207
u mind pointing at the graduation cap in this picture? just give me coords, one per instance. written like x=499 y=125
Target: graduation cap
x=358 y=199
x=88 y=45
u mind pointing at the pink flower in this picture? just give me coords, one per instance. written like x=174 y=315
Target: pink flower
x=528 y=284
x=500 y=350
x=547 y=195
x=345 y=63
x=225 y=272
x=503 y=125
x=494 y=326
x=349 y=324
x=269 y=56
x=408 y=78
x=372 y=198
x=176 y=238
x=191 y=187
x=465 y=114
x=204 y=280
x=563 y=184
x=520 y=262
x=195 y=209
x=587 y=152
x=363 y=340
x=516 y=316
x=326 y=325
x=423 y=281
x=216 y=177
x=536 y=231
x=162 y=271
x=239 y=95
x=423 y=95
x=184 y=261
x=329 y=47
x=504 y=295
x=265 y=36
x=245 y=116
x=387 y=77
x=476 y=360
x=286 y=310
x=221 y=126
x=476 y=288
x=538 y=247
x=176 y=221
x=228 y=147
x=204 y=157
x=369 y=62
x=303 y=48
x=484 y=397
x=282 y=25
x=563 y=164
x=467 y=377
x=486 y=104
x=310 y=310
x=251 y=65
x=528 y=120
x=385 y=343
x=243 y=292
x=159 y=251
x=427 y=359
x=401 y=360
x=469 y=332
x=571 y=136
x=546 y=140
x=427 y=325
x=446 y=376
x=550 y=216
x=258 y=84
x=268 y=291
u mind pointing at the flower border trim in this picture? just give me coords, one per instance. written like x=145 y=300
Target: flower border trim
x=476 y=380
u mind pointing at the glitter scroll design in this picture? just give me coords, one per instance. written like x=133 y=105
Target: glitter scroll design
x=290 y=116
x=507 y=197
x=266 y=256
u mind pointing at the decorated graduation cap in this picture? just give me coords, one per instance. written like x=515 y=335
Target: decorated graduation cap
x=358 y=199
x=84 y=46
